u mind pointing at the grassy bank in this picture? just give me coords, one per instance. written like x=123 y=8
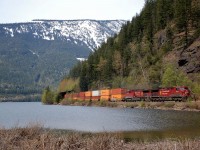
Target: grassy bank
x=35 y=137
x=188 y=106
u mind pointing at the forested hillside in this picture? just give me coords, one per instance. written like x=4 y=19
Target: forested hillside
x=158 y=47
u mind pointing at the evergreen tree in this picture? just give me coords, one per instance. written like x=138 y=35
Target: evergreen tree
x=47 y=96
x=164 y=13
x=84 y=78
x=195 y=14
x=183 y=14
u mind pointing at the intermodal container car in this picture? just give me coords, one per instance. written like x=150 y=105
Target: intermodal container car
x=66 y=96
x=105 y=92
x=75 y=96
x=88 y=98
x=105 y=97
x=88 y=94
x=96 y=93
x=81 y=96
x=118 y=91
x=117 y=97
x=95 y=98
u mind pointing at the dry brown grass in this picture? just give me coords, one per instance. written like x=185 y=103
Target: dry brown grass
x=192 y=105
x=35 y=137
x=31 y=138
x=169 y=104
x=167 y=145
x=131 y=105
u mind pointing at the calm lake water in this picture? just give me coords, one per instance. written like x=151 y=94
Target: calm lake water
x=95 y=119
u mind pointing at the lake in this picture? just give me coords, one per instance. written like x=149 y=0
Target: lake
x=97 y=119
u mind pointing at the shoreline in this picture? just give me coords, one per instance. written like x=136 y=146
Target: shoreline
x=20 y=98
x=168 y=105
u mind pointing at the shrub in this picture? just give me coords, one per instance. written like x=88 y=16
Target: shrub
x=102 y=103
x=67 y=102
x=142 y=104
x=191 y=105
x=156 y=104
x=112 y=104
x=88 y=103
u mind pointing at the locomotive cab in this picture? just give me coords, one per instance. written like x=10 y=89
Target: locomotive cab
x=183 y=91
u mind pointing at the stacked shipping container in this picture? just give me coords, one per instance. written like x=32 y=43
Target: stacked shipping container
x=75 y=96
x=96 y=95
x=105 y=95
x=81 y=96
x=88 y=95
x=118 y=94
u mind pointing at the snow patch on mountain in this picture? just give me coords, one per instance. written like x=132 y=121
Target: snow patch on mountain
x=81 y=59
x=90 y=32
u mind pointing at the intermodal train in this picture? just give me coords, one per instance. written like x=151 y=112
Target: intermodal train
x=180 y=93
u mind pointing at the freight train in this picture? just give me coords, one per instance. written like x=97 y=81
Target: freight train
x=180 y=93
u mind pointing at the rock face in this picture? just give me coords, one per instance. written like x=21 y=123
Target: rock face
x=190 y=58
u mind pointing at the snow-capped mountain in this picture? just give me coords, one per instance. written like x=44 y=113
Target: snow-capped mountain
x=40 y=53
x=90 y=32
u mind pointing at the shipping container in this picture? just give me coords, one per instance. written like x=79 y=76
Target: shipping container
x=118 y=91
x=88 y=93
x=88 y=98
x=105 y=92
x=96 y=93
x=81 y=98
x=74 y=96
x=96 y=98
x=82 y=94
x=66 y=96
x=70 y=96
x=105 y=98
x=117 y=97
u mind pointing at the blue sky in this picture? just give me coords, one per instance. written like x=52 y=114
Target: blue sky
x=26 y=10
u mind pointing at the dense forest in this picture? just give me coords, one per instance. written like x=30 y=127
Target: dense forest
x=147 y=53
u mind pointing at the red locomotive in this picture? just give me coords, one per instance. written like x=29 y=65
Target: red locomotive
x=161 y=94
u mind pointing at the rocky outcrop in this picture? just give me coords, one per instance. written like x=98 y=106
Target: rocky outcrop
x=189 y=59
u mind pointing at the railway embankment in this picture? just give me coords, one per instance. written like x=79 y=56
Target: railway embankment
x=167 y=105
